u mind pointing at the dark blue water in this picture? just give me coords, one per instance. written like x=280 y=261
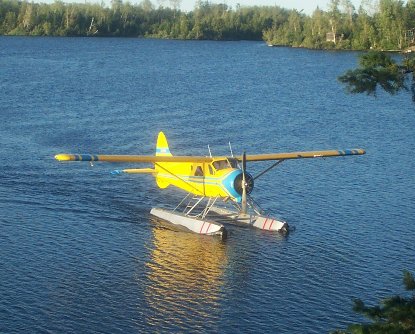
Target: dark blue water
x=79 y=252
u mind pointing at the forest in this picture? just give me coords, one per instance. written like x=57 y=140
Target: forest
x=376 y=24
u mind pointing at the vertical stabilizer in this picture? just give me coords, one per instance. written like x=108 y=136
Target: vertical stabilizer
x=162 y=149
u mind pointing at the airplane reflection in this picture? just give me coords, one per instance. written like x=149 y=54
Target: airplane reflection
x=184 y=279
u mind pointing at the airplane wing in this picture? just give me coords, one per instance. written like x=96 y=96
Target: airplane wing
x=301 y=155
x=249 y=157
x=130 y=158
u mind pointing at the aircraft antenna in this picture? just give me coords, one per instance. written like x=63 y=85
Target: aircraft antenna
x=230 y=148
x=210 y=153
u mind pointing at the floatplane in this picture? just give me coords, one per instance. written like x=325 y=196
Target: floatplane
x=209 y=181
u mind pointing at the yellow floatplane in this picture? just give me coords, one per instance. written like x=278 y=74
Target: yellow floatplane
x=207 y=179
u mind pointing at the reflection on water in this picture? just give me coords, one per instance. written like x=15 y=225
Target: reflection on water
x=185 y=277
x=70 y=263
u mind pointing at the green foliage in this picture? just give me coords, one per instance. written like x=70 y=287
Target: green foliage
x=409 y=64
x=409 y=282
x=394 y=315
x=207 y=21
x=376 y=69
x=375 y=25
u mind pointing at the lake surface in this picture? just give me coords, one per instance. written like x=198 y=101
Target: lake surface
x=79 y=251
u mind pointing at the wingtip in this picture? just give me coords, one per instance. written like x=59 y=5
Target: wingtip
x=62 y=157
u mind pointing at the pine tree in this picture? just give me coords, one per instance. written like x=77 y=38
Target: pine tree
x=394 y=315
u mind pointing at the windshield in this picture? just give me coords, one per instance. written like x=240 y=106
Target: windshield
x=226 y=163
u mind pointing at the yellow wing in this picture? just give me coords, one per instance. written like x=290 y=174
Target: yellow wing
x=251 y=157
x=130 y=158
x=302 y=155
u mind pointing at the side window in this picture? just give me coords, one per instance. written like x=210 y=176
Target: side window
x=210 y=170
x=199 y=171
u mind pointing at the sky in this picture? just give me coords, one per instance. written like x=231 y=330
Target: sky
x=307 y=5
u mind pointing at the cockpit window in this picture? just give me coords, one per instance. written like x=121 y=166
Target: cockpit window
x=227 y=163
x=220 y=164
x=233 y=163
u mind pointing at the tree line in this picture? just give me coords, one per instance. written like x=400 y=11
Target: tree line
x=376 y=24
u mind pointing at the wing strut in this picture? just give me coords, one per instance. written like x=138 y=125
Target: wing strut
x=269 y=168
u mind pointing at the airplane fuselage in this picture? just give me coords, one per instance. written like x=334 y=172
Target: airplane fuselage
x=220 y=178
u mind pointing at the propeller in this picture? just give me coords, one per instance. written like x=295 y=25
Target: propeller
x=244 y=185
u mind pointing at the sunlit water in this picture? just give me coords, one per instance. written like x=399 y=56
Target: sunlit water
x=79 y=251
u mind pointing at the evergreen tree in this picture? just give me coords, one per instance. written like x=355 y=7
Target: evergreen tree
x=383 y=25
x=378 y=69
x=394 y=315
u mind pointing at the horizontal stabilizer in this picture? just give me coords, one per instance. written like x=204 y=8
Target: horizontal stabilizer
x=135 y=171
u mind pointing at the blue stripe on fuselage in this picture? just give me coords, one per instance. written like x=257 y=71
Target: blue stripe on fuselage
x=228 y=184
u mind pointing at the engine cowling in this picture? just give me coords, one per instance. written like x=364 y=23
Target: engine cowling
x=249 y=183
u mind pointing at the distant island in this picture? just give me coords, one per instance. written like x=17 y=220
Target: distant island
x=382 y=25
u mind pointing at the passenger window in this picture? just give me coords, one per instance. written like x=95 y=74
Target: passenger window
x=199 y=171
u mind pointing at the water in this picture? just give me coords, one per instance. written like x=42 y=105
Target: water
x=79 y=251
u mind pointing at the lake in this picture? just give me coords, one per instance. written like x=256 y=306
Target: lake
x=79 y=250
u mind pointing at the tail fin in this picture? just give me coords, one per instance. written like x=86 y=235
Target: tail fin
x=162 y=149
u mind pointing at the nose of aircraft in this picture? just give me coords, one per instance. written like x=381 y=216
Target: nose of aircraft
x=237 y=183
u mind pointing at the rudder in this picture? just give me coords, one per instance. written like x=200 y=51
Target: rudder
x=162 y=150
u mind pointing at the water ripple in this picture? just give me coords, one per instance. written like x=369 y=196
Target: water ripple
x=79 y=252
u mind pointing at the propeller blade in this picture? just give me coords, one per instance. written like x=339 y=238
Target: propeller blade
x=244 y=209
